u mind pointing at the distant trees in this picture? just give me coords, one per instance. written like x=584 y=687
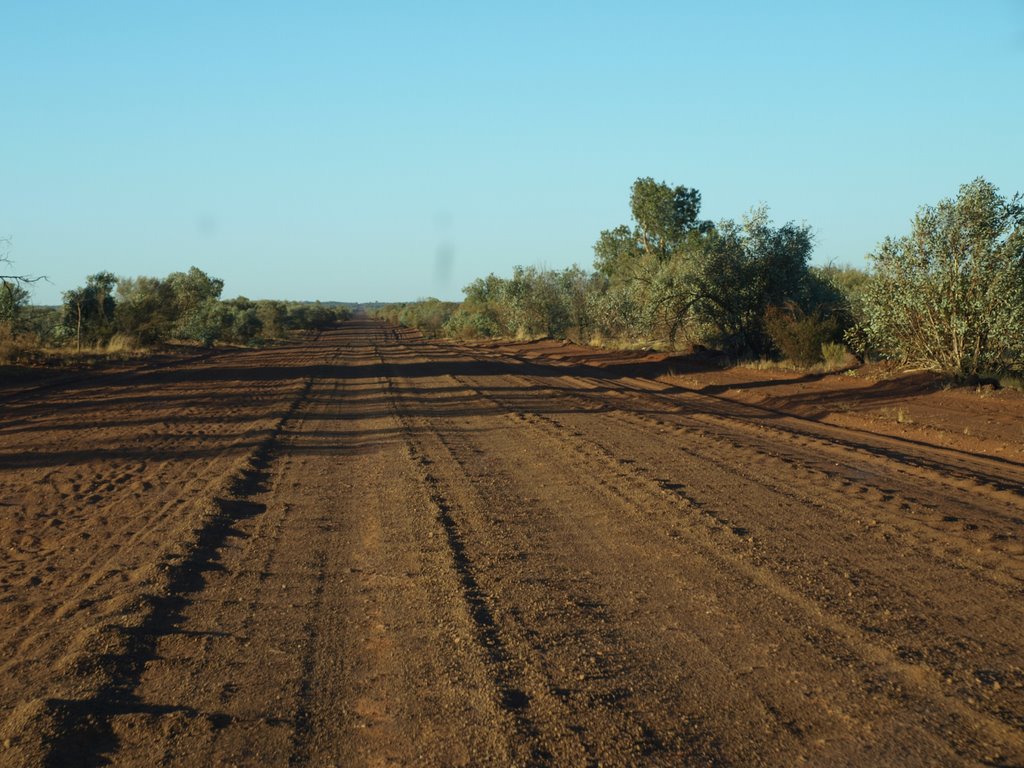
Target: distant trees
x=184 y=306
x=533 y=302
x=746 y=287
x=668 y=273
x=428 y=315
x=125 y=312
x=950 y=295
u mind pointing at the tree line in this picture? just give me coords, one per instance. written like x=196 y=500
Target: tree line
x=948 y=296
x=145 y=311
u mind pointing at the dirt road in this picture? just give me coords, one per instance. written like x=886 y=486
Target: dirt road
x=364 y=550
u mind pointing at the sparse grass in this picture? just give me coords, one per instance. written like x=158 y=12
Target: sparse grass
x=121 y=343
x=627 y=345
x=26 y=350
x=1012 y=382
x=767 y=364
x=835 y=356
x=899 y=414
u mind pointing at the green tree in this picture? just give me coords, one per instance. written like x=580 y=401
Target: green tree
x=13 y=300
x=242 y=321
x=89 y=310
x=146 y=308
x=727 y=276
x=198 y=313
x=205 y=322
x=664 y=218
x=950 y=295
x=663 y=215
x=273 y=316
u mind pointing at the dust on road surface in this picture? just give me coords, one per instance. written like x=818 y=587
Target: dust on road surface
x=370 y=550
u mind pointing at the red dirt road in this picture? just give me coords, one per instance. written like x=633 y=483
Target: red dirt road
x=369 y=550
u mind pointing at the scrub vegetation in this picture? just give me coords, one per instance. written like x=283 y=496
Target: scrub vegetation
x=122 y=315
x=947 y=297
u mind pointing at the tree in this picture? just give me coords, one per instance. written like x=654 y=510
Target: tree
x=616 y=253
x=145 y=308
x=89 y=310
x=197 y=309
x=13 y=289
x=737 y=271
x=950 y=295
x=273 y=316
x=13 y=299
x=664 y=218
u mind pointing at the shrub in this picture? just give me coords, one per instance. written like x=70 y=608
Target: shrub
x=949 y=296
x=834 y=354
x=800 y=336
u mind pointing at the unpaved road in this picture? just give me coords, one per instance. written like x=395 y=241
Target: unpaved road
x=364 y=550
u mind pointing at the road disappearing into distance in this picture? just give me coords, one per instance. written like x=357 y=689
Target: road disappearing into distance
x=367 y=548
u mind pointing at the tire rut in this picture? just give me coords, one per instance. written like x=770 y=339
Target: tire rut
x=853 y=637
x=75 y=730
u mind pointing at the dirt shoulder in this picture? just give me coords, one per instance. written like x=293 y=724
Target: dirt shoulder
x=916 y=405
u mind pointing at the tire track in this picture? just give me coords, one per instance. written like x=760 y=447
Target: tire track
x=105 y=668
x=545 y=691
x=1003 y=479
x=506 y=674
x=852 y=638
x=915 y=493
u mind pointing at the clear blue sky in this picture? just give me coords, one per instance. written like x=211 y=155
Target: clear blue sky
x=345 y=151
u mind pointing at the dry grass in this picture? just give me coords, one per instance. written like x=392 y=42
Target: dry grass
x=899 y=414
x=26 y=350
x=618 y=344
x=21 y=350
x=836 y=358
x=1012 y=382
x=122 y=343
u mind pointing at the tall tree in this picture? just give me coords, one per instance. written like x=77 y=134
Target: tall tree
x=89 y=310
x=664 y=218
x=663 y=215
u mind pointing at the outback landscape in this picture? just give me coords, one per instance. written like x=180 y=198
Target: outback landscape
x=474 y=384
x=368 y=547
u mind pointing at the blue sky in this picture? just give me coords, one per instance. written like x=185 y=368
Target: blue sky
x=356 y=151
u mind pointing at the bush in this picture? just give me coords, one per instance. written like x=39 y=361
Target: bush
x=469 y=324
x=800 y=336
x=949 y=296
